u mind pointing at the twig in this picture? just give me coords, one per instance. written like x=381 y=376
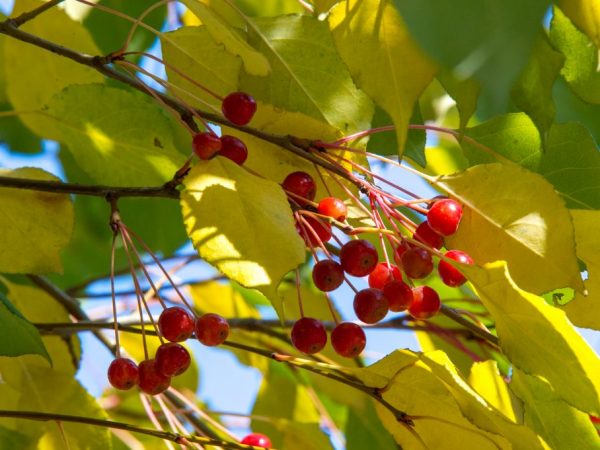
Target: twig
x=480 y=332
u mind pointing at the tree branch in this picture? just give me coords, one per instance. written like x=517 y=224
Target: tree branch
x=473 y=328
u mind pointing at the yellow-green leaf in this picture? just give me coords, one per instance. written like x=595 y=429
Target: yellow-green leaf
x=29 y=90
x=586 y=15
x=382 y=57
x=538 y=338
x=254 y=61
x=489 y=383
x=584 y=311
x=242 y=224
x=34 y=227
x=514 y=215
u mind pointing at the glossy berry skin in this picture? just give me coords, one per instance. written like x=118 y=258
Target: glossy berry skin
x=206 y=145
x=333 y=207
x=211 y=329
x=309 y=335
x=233 y=149
x=444 y=216
x=175 y=324
x=417 y=263
x=258 y=440
x=321 y=228
x=123 y=374
x=348 y=339
x=358 y=257
x=327 y=275
x=426 y=303
x=302 y=185
x=398 y=252
x=399 y=295
x=370 y=305
x=152 y=382
x=238 y=108
x=172 y=359
x=450 y=275
x=383 y=274
x=425 y=234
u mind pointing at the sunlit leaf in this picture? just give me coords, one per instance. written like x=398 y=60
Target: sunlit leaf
x=489 y=383
x=585 y=14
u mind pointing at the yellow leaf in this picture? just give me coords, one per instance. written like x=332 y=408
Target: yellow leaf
x=585 y=14
x=34 y=227
x=515 y=215
x=382 y=57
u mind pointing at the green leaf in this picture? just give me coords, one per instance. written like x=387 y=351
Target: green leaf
x=488 y=41
x=308 y=75
x=465 y=93
x=36 y=225
x=486 y=379
x=537 y=338
x=561 y=425
x=581 y=57
x=94 y=122
x=365 y=430
x=17 y=335
x=514 y=215
x=13 y=132
x=382 y=57
x=30 y=90
x=255 y=62
x=584 y=311
x=585 y=14
x=241 y=224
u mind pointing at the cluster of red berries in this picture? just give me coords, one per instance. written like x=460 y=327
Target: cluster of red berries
x=238 y=108
x=387 y=290
x=175 y=324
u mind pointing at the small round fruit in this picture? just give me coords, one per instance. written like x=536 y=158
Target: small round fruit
x=301 y=185
x=152 y=382
x=370 y=305
x=444 y=216
x=450 y=275
x=333 y=207
x=327 y=275
x=348 y=339
x=309 y=335
x=175 y=324
x=399 y=251
x=239 y=108
x=172 y=359
x=233 y=149
x=321 y=229
x=417 y=263
x=123 y=373
x=258 y=440
x=399 y=295
x=383 y=274
x=358 y=257
x=211 y=329
x=425 y=234
x=206 y=145
x=426 y=303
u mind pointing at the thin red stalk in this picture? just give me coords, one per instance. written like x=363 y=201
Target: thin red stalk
x=299 y=293
x=360 y=134
x=317 y=168
x=380 y=224
x=112 y=292
x=331 y=310
x=138 y=21
x=454 y=341
x=152 y=416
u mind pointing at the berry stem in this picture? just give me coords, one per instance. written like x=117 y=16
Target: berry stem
x=112 y=294
x=300 y=308
x=152 y=416
x=138 y=21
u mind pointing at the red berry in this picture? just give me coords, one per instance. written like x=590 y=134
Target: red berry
x=320 y=227
x=206 y=145
x=152 y=382
x=301 y=185
x=417 y=263
x=309 y=335
x=327 y=275
x=398 y=252
x=172 y=359
x=358 y=257
x=370 y=305
x=175 y=324
x=594 y=419
x=425 y=234
x=399 y=295
x=348 y=339
x=258 y=440
x=333 y=207
x=234 y=149
x=123 y=373
x=426 y=303
x=382 y=274
x=212 y=329
x=239 y=108
x=444 y=216
x=449 y=274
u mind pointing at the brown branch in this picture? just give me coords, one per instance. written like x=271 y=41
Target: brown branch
x=472 y=327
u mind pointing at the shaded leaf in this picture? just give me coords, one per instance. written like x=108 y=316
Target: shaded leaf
x=465 y=93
